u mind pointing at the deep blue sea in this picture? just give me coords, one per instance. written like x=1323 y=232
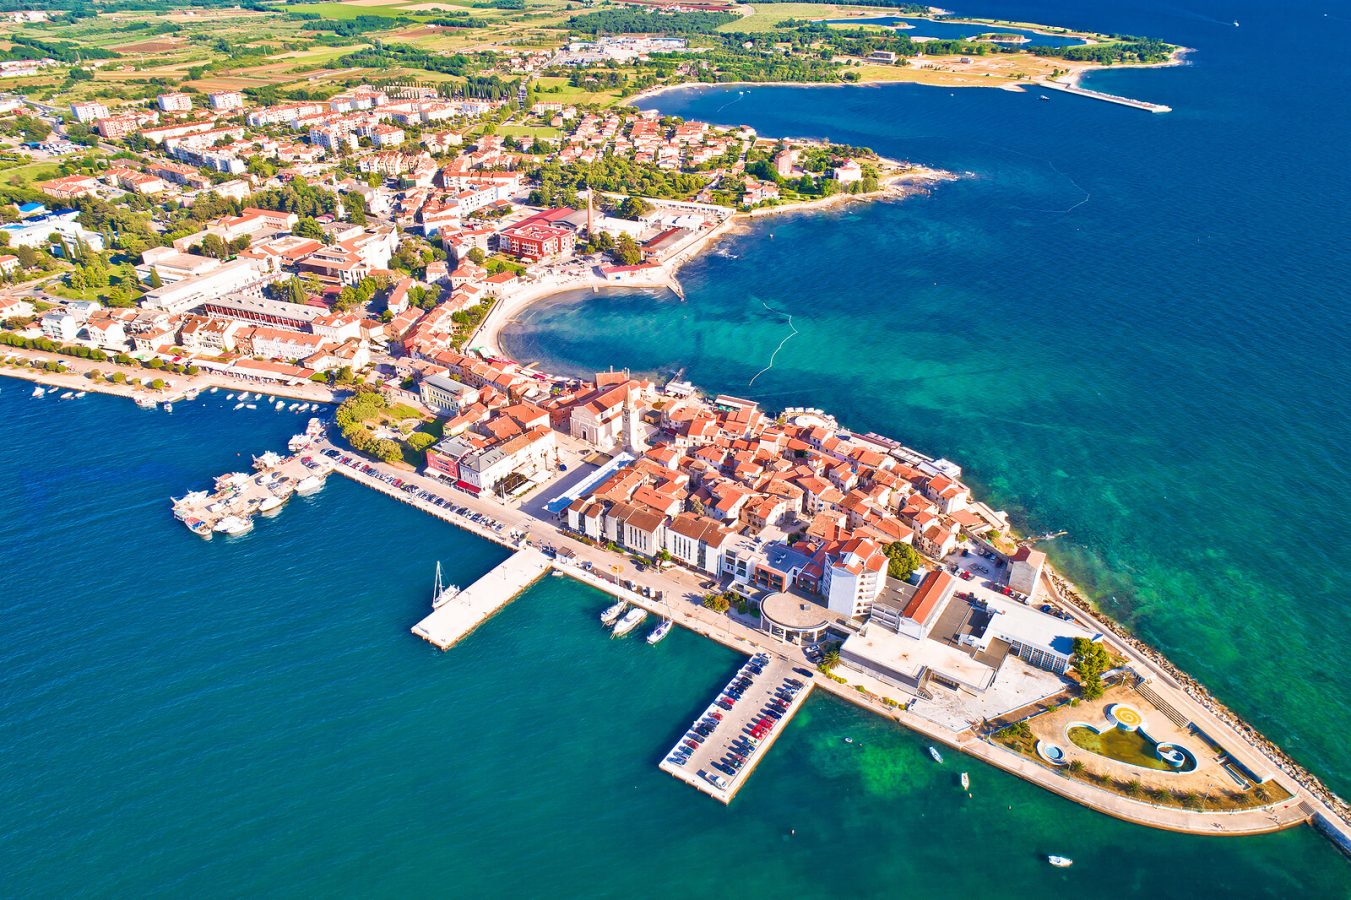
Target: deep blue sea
x=1129 y=326
x=1125 y=325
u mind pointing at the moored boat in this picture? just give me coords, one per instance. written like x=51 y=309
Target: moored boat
x=614 y=612
x=663 y=628
x=146 y=402
x=198 y=527
x=937 y=757
x=67 y=395
x=38 y=392
x=443 y=593
x=168 y=407
x=79 y=394
x=629 y=621
x=309 y=484
x=271 y=504
x=234 y=525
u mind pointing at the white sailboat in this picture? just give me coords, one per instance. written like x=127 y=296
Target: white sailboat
x=663 y=628
x=614 y=612
x=443 y=593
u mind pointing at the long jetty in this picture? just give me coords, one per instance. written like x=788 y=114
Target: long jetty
x=1108 y=98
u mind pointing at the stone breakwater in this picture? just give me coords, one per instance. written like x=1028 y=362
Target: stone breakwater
x=1201 y=695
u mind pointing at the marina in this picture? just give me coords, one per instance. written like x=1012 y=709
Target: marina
x=729 y=738
x=239 y=496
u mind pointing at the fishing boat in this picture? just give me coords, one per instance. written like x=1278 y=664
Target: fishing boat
x=1060 y=862
x=614 y=612
x=663 y=628
x=266 y=460
x=234 y=525
x=309 y=484
x=271 y=504
x=966 y=782
x=198 y=527
x=443 y=593
x=38 y=392
x=937 y=757
x=630 y=621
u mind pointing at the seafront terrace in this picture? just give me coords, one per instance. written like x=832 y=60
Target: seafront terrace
x=682 y=594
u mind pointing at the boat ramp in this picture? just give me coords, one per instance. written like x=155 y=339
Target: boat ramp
x=456 y=618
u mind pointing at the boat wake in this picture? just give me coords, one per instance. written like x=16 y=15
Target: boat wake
x=794 y=333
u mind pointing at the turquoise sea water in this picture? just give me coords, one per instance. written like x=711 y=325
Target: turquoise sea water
x=1126 y=325
x=250 y=717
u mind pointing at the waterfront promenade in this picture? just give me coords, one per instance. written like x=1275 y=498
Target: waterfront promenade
x=680 y=594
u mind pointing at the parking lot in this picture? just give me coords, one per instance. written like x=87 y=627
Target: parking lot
x=728 y=739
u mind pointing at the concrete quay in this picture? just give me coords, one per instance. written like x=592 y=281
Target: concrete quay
x=736 y=726
x=456 y=618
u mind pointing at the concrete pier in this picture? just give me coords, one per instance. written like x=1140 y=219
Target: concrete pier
x=736 y=724
x=1108 y=98
x=450 y=624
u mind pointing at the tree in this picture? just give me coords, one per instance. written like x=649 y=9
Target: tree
x=903 y=560
x=1090 y=660
x=309 y=228
x=476 y=256
x=155 y=280
x=633 y=208
x=626 y=251
x=214 y=245
x=717 y=602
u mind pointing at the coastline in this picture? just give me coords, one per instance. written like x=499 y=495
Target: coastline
x=1072 y=78
x=487 y=337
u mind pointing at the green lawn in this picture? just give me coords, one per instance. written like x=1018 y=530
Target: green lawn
x=768 y=16
x=539 y=132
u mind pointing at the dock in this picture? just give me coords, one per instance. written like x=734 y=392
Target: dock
x=473 y=606
x=1105 y=97
x=735 y=728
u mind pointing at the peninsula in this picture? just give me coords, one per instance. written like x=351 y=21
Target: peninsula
x=343 y=202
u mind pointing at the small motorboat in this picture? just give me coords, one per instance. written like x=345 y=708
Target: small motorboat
x=1060 y=862
x=848 y=740
x=1044 y=97
x=937 y=757
x=38 y=392
x=966 y=782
